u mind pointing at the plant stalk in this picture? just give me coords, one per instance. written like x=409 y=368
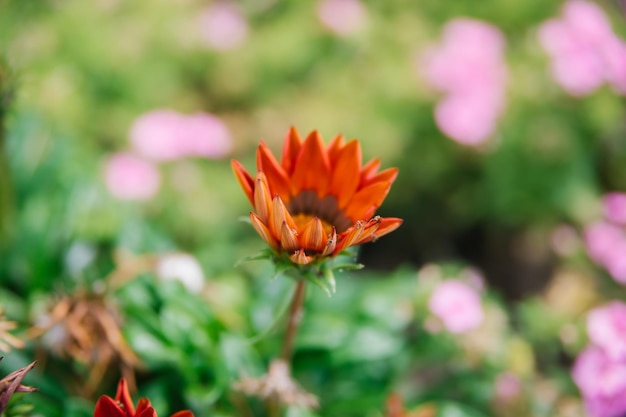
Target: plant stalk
x=295 y=316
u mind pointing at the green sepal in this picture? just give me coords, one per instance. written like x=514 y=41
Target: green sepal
x=348 y=267
x=315 y=280
x=329 y=276
x=264 y=254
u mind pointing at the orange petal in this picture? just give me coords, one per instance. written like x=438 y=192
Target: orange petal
x=389 y=175
x=347 y=238
x=279 y=215
x=123 y=396
x=345 y=176
x=334 y=148
x=245 y=180
x=300 y=257
x=331 y=244
x=369 y=170
x=263 y=231
x=387 y=225
x=262 y=198
x=291 y=149
x=276 y=177
x=313 y=235
x=371 y=196
x=144 y=409
x=108 y=407
x=288 y=238
x=312 y=167
x=369 y=230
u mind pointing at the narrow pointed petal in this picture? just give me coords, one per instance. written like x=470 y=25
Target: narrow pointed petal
x=263 y=231
x=245 y=180
x=123 y=396
x=291 y=150
x=312 y=168
x=144 y=408
x=371 y=196
x=313 y=235
x=369 y=230
x=331 y=243
x=369 y=170
x=347 y=238
x=300 y=257
x=389 y=175
x=387 y=225
x=288 y=238
x=334 y=148
x=279 y=215
x=262 y=197
x=107 y=407
x=345 y=176
x=274 y=172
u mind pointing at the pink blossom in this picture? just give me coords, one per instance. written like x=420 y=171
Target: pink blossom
x=614 y=205
x=343 y=17
x=584 y=50
x=602 y=382
x=457 y=305
x=223 y=26
x=468 y=119
x=606 y=327
x=468 y=65
x=507 y=386
x=129 y=177
x=165 y=135
x=156 y=135
x=469 y=57
x=206 y=136
x=600 y=239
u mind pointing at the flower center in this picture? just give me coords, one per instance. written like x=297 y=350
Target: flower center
x=307 y=205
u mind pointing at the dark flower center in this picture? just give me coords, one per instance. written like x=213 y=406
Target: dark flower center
x=307 y=205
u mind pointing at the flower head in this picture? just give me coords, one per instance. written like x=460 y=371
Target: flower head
x=12 y=383
x=606 y=326
x=602 y=382
x=457 y=305
x=319 y=200
x=122 y=405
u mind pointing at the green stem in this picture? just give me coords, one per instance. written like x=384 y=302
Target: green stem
x=295 y=316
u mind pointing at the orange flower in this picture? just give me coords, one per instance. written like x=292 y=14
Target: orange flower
x=318 y=200
x=122 y=405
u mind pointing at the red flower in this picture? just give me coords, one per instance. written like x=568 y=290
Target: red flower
x=319 y=200
x=122 y=405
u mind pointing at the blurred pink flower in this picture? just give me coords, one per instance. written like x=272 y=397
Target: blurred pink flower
x=507 y=386
x=206 y=135
x=164 y=135
x=600 y=240
x=614 y=205
x=606 y=327
x=468 y=119
x=223 y=26
x=468 y=65
x=156 y=135
x=342 y=17
x=129 y=177
x=584 y=50
x=457 y=305
x=602 y=382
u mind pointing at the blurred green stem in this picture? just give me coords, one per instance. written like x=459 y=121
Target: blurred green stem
x=295 y=316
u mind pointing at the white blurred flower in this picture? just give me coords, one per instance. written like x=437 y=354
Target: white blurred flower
x=181 y=267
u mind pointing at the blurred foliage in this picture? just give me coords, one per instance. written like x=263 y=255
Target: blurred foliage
x=76 y=74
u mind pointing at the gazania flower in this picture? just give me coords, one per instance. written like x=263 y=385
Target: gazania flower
x=319 y=200
x=122 y=405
